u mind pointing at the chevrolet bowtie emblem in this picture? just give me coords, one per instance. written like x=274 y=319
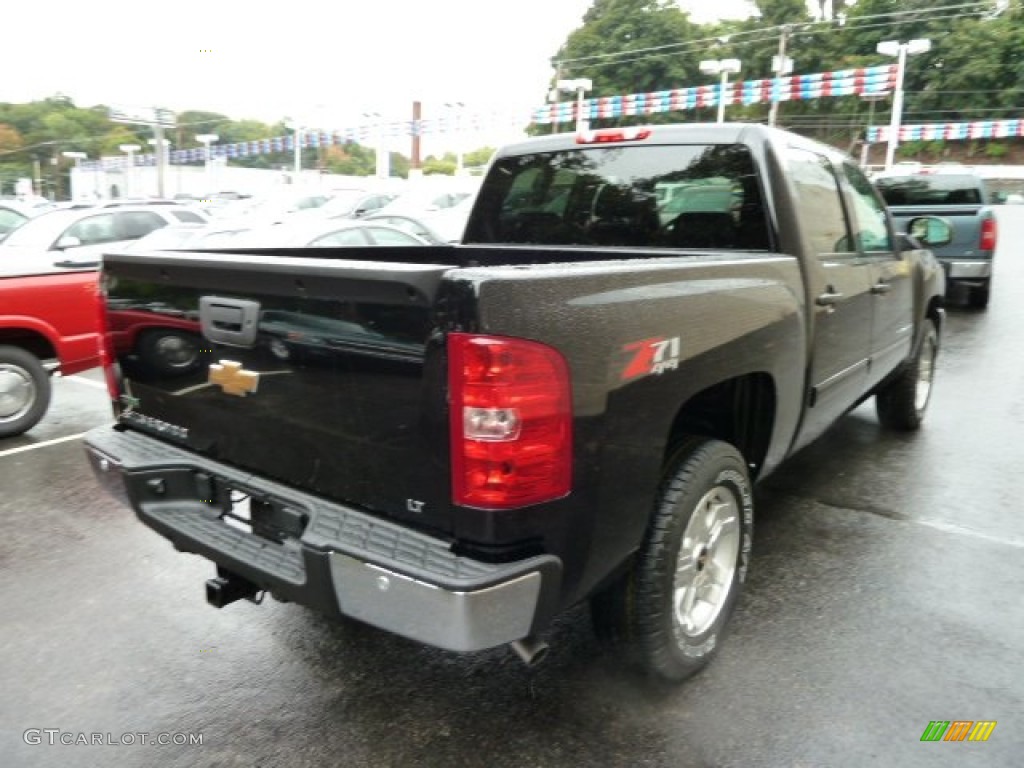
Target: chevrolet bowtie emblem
x=233 y=379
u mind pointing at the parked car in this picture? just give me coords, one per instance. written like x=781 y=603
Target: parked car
x=962 y=198
x=268 y=209
x=430 y=198
x=186 y=236
x=354 y=204
x=15 y=212
x=49 y=322
x=12 y=216
x=412 y=225
x=82 y=235
x=324 y=235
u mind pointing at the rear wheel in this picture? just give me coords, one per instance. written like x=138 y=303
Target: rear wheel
x=669 y=611
x=24 y=391
x=901 y=403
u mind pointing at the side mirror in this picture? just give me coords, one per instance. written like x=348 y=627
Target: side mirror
x=930 y=231
x=68 y=241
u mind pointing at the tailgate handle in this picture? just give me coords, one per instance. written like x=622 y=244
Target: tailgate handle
x=229 y=321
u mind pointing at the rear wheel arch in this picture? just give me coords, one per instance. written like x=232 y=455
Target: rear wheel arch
x=33 y=342
x=740 y=411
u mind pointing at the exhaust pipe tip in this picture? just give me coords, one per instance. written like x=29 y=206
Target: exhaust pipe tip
x=531 y=650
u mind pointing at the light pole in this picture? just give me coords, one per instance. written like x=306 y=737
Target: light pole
x=78 y=157
x=723 y=67
x=130 y=150
x=900 y=51
x=456 y=108
x=383 y=169
x=870 y=98
x=296 y=126
x=579 y=86
x=206 y=139
x=160 y=148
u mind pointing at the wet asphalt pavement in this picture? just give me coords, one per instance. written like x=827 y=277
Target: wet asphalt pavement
x=886 y=590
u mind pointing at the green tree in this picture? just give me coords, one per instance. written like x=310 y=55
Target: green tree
x=776 y=12
x=444 y=165
x=618 y=27
x=478 y=157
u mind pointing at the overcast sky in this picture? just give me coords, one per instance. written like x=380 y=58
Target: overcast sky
x=324 y=62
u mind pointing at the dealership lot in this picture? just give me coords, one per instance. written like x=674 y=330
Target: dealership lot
x=884 y=593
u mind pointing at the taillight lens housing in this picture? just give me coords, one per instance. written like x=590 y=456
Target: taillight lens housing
x=987 y=240
x=510 y=422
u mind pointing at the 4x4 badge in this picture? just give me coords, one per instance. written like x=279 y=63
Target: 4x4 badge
x=233 y=379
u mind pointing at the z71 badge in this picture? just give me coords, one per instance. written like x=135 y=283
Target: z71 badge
x=651 y=356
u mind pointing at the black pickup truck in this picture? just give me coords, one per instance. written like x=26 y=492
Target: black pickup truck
x=456 y=443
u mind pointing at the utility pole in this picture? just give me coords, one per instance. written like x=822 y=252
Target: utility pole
x=417 y=116
x=780 y=66
x=553 y=96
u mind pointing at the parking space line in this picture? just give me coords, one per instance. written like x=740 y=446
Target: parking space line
x=87 y=382
x=44 y=444
x=959 y=530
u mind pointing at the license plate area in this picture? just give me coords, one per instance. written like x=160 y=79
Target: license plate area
x=269 y=519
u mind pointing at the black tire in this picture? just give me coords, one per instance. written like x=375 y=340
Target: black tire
x=169 y=352
x=646 y=611
x=902 y=402
x=977 y=297
x=24 y=391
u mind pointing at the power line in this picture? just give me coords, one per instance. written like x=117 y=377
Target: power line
x=772 y=33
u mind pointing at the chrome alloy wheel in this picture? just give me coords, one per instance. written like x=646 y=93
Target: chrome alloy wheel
x=17 y=392
x=706 y=563
x=925 y=372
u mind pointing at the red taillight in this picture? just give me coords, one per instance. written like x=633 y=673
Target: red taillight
x=987 y=241
x=510 y=423
x=613 y=135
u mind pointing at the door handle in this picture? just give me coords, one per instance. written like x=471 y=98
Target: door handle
x=828 y=298
x=881 y=287
x=229 y=321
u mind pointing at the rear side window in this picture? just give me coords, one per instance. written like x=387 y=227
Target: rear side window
x=94 y=230
x=681 y=196
x=930 y=189
x=132 y=225
x=188 y=217
x=341 y=237
x=821 y=206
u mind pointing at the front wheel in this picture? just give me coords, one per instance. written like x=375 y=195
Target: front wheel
x=24 y=391
x=901 y=403
x=670 y=610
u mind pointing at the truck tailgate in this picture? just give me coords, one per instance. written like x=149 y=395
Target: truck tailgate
x=966 y=221
x=318 y=372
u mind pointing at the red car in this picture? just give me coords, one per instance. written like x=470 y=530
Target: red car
x=49 y=321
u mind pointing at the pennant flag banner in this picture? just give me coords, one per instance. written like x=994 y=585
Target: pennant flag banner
x=843 y=82
x=981 y=129
x=846 y=82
